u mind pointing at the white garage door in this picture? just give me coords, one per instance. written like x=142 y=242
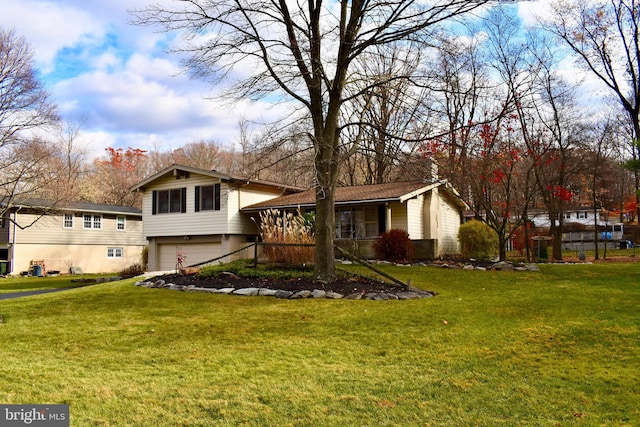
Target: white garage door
x=191 y=253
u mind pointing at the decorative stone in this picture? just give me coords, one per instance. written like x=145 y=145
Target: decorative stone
x=251 y=292
x=158 y=283
x=283 y=294
x=480 y=268
x=334 y=295
x=301 y=294
x=264 y=292
x=174 y=287
x=468 y=267
x=224 y=290
x=408 y=295
x=355 y=295
x=318 y=293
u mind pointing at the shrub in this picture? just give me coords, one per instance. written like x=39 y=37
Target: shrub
x=144 y=257
x=477 y=240
x=276 y=227
x=394 y=245
x=132 y=271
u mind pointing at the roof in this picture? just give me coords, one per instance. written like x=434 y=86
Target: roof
x=358 y=194
x=177 y=169
x=48 y=204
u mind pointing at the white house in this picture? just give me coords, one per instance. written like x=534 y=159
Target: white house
x=91 y=237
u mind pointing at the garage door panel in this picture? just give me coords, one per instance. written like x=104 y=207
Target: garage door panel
x=192 y=253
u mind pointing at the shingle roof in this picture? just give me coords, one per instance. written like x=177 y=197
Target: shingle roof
x=74 y=206
x=358 y=194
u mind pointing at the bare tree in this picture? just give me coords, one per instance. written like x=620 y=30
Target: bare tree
x=605 y=38
x=24 y=106
x=305 y=52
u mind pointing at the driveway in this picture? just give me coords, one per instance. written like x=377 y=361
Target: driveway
x=29 y=293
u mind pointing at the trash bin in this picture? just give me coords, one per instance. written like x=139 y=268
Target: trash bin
x=622 y=244
x=37 y=270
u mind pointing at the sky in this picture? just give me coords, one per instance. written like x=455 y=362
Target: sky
x=116 y=81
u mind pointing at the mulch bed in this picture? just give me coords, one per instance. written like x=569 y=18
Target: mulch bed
x=343 y=286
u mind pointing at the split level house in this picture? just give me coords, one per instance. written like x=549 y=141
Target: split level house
x=192 y=215
x=38 y=237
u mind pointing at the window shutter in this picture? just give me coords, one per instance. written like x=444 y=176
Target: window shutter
x=197 y=208
x=216 y=197
x=183 y=192
x=154 y=202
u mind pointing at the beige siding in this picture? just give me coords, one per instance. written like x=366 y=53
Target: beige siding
x=228 y=220
x=90 y=258
x=188 y=223
x=415 y=217
x=451 y=225
x=49 y=230
x=241 y=223
x=398 y=216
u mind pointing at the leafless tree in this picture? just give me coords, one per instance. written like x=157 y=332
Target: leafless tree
x=25 y=107
x=604 y=36
x=305 y=52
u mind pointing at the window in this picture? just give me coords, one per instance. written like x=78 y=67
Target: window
x=207 y=198
x=92 y=222
x=582 y=215
x=169 y=201
x=120 y=223
x=344 y=224
x=357 y=223
x=67 y=221
x=114 y=252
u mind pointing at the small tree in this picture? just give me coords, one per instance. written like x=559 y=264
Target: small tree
x=477 y=240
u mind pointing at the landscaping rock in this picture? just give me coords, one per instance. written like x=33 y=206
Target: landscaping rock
x=283 y=294
x=247 y=291
x=224 y=290
x=318 y=293
x=301 y=295
x=334 y=295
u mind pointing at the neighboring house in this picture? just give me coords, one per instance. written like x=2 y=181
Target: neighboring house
x=583 y=215
x=93 y=238
x=192 y=215
x=431 y=213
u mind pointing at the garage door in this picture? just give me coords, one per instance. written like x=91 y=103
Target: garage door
x=191 y=253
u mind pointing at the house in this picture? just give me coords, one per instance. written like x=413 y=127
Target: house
x=37 y=236
x=583 y=215
x=192 y=215
x=431 y=213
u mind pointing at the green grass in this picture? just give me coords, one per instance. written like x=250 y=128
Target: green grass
x=21 y=284
x=558 y=347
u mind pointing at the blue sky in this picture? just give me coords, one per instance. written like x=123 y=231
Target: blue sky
x=116 y=81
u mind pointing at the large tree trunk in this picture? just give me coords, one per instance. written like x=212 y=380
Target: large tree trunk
x=324 y=266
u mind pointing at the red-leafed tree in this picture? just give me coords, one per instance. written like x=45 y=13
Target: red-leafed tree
x=114 y=175
x=498 y=179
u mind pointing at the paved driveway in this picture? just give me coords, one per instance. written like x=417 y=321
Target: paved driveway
x=29 y=293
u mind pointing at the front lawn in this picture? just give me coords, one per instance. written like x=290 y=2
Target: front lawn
x=557 y=347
